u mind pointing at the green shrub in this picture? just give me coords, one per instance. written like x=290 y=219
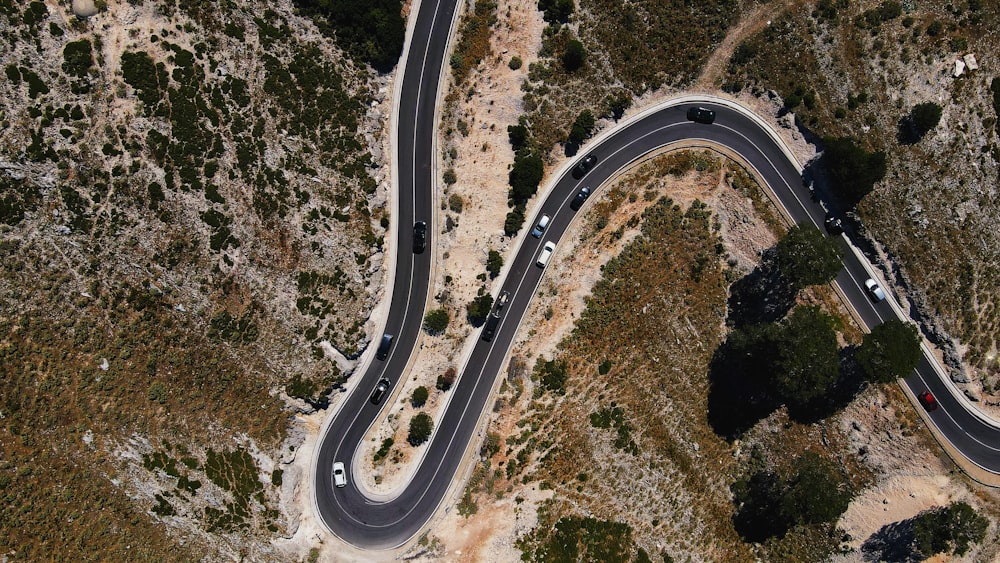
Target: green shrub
x=449 y=176
x=582 y=127
x=515 y=62
x=455 y=203
x=525 y=176
x=574 y=56
x=925 y=116
x=421 y=427
x=436 y=320
x=446 y=379
x=949 y=530
x=806 y=257
x=514 y=220
x=494 y=263
x=556 y=11
x=479 y=307
x=370 y=30
x=419 y=396
x=78 y=57
x=890 y=351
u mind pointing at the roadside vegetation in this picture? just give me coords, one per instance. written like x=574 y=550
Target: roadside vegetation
x=178 y=245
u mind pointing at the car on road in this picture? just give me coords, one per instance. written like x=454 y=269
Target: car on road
x=543 y=257
x=701 y=115
x=833 y=225
x=419 y=237
x=383 y=347
x=502 y=300
x=540 y=227
x=928 y=401
x=380 y=389
x=339 y=475
x=579 y=200
x=874 y=291
x=585 y=165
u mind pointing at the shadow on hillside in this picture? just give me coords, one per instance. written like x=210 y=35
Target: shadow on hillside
x=738 y=395
x=893 y=543
x=762 y=296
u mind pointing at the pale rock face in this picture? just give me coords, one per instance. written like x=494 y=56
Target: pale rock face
x=84 y=8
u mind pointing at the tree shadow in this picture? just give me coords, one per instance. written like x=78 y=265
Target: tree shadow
x=739 y=395
x=571 y=149
x=762 y=296
x=893 y=543
x=907 y=132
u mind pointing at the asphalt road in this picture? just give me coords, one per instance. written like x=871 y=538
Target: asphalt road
x=382 y=524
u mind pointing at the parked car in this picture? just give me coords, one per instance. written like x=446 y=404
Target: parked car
x=540 y=227
x=579 y=200
x=928 y=401
x=339 y=475
x=383 y=347
x=701 y=115
x=419 y=237
x=874 y=291
x=380 y=389
x=543 y=257
x=585 y=165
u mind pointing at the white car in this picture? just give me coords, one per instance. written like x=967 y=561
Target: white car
x=339 y=476
x=874 y=290
x=543 y=257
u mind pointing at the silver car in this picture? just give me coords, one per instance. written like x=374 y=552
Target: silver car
x=874 y=290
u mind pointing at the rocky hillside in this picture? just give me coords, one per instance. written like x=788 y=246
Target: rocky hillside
x=191 y=226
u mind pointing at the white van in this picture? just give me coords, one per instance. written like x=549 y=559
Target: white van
x=543 y=257
x=540 y=227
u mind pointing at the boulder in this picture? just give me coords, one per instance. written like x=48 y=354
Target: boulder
x=83 y=9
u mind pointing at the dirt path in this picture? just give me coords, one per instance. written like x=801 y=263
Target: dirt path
x=751 y=22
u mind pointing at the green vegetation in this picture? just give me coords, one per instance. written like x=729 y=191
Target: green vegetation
x=383 y=450
x=925 y=116
x=583 y=126
x=552 y=375
x=805 y=360
x=436 y=320
x=806 y=257
x=474 y=39
x=949 y=530
x=421 y=427
x=446 y=379
x=574 y=539
x=556 y=11
x=768 y=505
x=890 y=351
x=78 y=57
x=494 y=263
x=419 y=396
x=479 y=307
x=371 y=30
x=525 y=176
x=574 y=56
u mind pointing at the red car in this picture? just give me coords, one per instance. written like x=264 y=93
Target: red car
x=928 y=401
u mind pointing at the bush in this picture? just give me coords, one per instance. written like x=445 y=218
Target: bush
x=436 y=321
x=552 y=375
x=582 y=127
x=479 y=307
x=494 y=262
x=518 y=136
x=525 y=176
x=449 y=176
x=556 y=11
x=446 y=379
x=574 y=56
x=890 y=351
x=949 y=530
x=515 y=62
x=455 y=203
x=419 y=396
x=371 y=30
x=77 y=58
x=806 y=362
x=421 y=427
x=514 y=220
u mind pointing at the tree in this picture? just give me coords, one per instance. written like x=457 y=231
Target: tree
x=436 y=320
x=818 y=492
x=758 y=507
x=852 y=169
x=421 y=427
x=518 y=136
x=494 y=262
x=371 y=30
x=805 y=257
x=556 y=11
x=574 y=56
x=479 y=307
x=514 y=220
x=806 y=361
x=552 y=375
x=949 y=530
x=446 y=379
x=925 y=117
x=419 y=396
x=582 y=127
x=617 y=104
x=890 y=351
x=525 y=176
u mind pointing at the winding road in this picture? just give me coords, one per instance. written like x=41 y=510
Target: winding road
x=385 y=523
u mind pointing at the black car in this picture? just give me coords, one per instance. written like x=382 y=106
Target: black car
x=580 y=198
x=581 y=169
x=379 y=392
x=701 y=115
x=834 y=226
x=419 y=237
x=383 y=347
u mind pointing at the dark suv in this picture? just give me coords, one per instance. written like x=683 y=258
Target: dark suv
x=701 y=115
x=379 y=392
x=579 y=200
x=419 y=237
x=581 y=169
